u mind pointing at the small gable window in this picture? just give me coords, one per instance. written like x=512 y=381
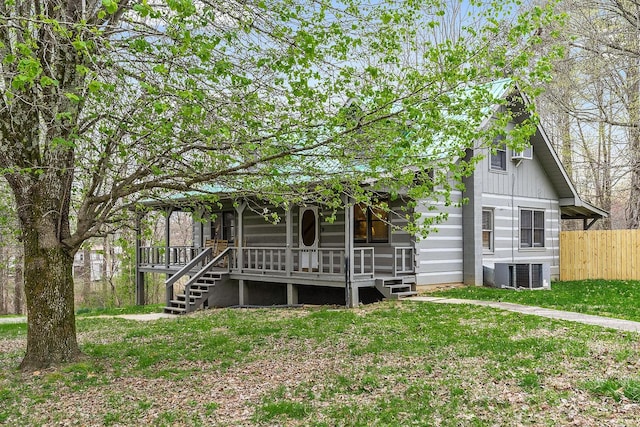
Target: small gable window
x=499 y=157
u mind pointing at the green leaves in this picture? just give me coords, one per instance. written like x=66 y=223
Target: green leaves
x=111 y=6
x=28 y=70
x=258 y=97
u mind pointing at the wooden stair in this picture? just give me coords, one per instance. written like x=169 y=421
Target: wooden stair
x=396 y=287
x=199 y=293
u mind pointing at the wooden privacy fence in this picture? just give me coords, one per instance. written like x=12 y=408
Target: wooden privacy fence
x=600 y=254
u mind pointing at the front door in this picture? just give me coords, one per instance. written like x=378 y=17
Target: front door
x=308 y=237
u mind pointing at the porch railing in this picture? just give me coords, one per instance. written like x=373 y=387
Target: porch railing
x=321 y=260
x=273 y=259
x=364 y=262
x=303 y=261
x=172 y=256
x=264 y=259
x=403 y=260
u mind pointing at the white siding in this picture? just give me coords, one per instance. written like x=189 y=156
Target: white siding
x=507 y=231
x=440 y=254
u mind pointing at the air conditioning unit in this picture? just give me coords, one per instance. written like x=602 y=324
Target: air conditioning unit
x=522 y=275
x=526 y=154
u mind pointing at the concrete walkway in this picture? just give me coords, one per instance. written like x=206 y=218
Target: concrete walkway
x=606 y=322
x=139 y=317
x=7 y=320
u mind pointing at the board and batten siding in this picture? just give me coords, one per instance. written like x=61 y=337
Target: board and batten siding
x=440 y=254
x=524 y=185
x=525 y=178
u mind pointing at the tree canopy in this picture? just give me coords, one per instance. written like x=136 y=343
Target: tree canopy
x=107 y=102
x=591 y=104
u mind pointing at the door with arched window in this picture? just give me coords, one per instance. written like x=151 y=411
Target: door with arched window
x=308 y=237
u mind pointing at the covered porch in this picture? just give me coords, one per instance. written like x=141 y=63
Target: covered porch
x=306 y=250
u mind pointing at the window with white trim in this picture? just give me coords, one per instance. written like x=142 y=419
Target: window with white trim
x=487 y=230
x=531 y=228
x=499 y=156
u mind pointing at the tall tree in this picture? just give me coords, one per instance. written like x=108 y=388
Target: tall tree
x=597 y=88
x=106 y=102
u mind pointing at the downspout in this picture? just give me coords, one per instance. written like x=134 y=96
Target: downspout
x=348 y=250
x=513 y=215
x=554 y=253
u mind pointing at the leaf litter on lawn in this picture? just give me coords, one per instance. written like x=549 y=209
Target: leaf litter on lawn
x=339 y=378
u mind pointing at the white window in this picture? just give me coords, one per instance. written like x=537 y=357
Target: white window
x=531 y=228
x=487 y=230
x=499 y=156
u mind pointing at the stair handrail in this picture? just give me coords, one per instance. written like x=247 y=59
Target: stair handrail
x=200 y=273
x=183 y=271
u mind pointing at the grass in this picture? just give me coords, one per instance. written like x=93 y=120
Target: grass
x=618 y=299
x=615 y=388
x=387 y=364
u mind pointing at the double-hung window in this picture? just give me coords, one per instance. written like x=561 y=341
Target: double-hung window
x=498 y=158
x=531 y=228
x=487 y=230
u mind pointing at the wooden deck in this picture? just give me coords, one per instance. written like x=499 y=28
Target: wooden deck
x=322 y=266
x=200 y=270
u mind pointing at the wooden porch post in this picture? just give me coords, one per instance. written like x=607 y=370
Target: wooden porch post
x=140 y=300
x=167 y=236
x=242 y=293
x=351 y=291
x=240 y=235
x=288 y=222
x=292 y=294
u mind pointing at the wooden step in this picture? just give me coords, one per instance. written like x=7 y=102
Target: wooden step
x=405 y=294
x=198 y=294
x=398 y=288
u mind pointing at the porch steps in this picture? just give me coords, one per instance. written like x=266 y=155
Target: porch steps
x=199 y=293
x=396 y=287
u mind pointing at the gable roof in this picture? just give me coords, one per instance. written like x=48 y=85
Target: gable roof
x=571 y=204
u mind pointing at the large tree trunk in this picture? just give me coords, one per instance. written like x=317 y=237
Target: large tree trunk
x=51 y=334
x=43 y=212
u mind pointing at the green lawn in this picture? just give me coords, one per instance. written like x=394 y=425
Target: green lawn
x=386 y=364
x=619 y=299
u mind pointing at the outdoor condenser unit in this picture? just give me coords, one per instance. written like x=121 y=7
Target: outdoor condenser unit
x=522 y=275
